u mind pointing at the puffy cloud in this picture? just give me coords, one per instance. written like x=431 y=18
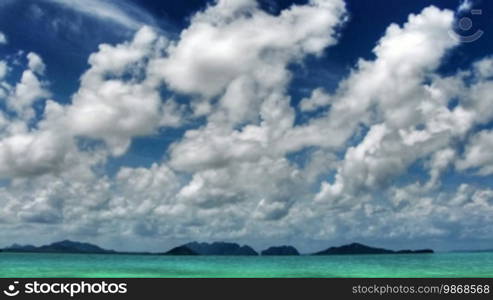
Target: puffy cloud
x=461 y=212
x=271 y=183
x=25 y=151
x=478 y=99
x=31 y=154
x=27 y=91
x=36 y=63
x=116 y=102
x=318 y=99
x=3 y=38
x=247 y=57
x=408 y=119
x=439 y=162
x=111 y=108
x=47 y=149
x=484 y=68
x=405 y=56
x=3 y=69
x=215 y=148
x=465 y=6
x=387 y=89
x=5 y=88
x=157 y=184
x=32 y=145
x=478 y=154
x=235 y=40
x=20 y=96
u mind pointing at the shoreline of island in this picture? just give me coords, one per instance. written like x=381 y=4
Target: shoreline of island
x=210 y=249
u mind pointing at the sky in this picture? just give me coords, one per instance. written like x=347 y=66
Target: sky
x=141 y=125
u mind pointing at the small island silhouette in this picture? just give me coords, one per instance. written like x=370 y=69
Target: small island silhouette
x=216 y=248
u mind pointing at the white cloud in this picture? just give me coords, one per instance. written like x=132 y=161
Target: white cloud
x=30 y=88
x=31 y=154
x=119 y=12
x=478 y=154
x=27 y=91
x=439 y=162
x=36 y=63
x=3 y=69
x=389 y=95
x=235 y=39
x=271 y=183
x=116 y=110
x=240 y=168
x=484 y=68
x=33 y=145
x=465 y=6
x=478 y=99
x=247 y=57
x=319 y=98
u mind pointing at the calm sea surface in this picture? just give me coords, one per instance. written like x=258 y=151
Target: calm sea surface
x=81 y=265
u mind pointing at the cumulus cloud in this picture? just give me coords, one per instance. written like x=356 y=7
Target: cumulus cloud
x=30 y=88
x=28 y=151
x=273 y=184
x=36 y=63
x=236 y=41
x=484 y=68
x=246 y=52
x=31 y=154
x=248 y=56
x=35 y=144
x=407 y=119
x=319 y=98
x=3 y=38
x=465 y=6
x=116 y=110
x=478 y=154
x=113 y=110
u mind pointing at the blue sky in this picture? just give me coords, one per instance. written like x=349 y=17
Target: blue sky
x=307 y=122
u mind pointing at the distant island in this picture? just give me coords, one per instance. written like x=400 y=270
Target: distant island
x=356 y=248
x=60 y=247
x=281 y=250
x=181 y=251
x=216 y=248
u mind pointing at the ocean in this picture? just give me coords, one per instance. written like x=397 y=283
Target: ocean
x=151 y=266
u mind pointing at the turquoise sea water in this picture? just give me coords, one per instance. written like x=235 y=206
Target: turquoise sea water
x=134 y=266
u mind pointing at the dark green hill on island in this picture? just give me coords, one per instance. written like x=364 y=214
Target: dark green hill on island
x=181 y=250
x=281 y=250
x=20 y=248
x=217 y=248
x=60 y=247
x=356 y=248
